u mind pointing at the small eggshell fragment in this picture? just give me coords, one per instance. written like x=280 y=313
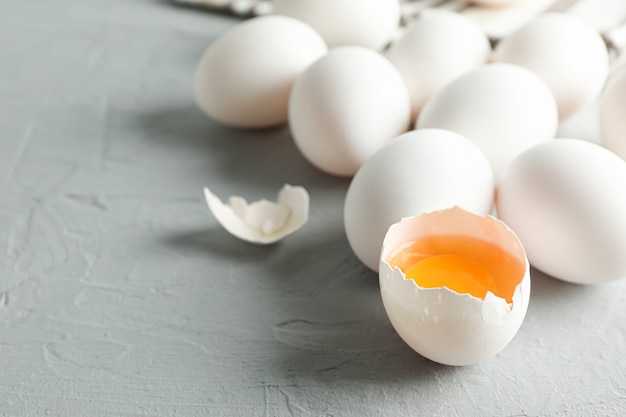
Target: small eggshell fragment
x=245 y=77
x=262 y=222
x=503 y=108
x=417 y=172
x=345 y=107
x=370 y=24
x=565 y=52
x=613 y=114
x=439 y=323
x=566 y=200
x=428 y=54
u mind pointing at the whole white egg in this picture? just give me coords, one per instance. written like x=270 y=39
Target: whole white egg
x=428 y=55
x=345 y=107
x=566 y=200
x=565 y=52
x=370 y=24
x=613 y=114
x=420 y=171
x=245 y=77
x=503 y=108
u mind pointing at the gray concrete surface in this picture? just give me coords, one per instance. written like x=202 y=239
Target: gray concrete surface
x=121 y=296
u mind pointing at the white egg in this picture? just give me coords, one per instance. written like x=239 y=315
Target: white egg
x=613 y=114
x=370 y=24
x=565 y=52
x=503 y=108
x=245 y=77
x=566 y=200
x=417 y=172
x=428 y=55
x=455 y=285
x=345 y=107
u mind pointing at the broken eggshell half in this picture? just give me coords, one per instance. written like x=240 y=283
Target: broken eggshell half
x=439 y=323
x=262 y=222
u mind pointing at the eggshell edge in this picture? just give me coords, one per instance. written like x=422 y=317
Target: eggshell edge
x=416 y=313
x=231 y=217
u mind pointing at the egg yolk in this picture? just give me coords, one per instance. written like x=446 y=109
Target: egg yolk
x=462 y=264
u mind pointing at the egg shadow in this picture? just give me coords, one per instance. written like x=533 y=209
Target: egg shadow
x=554 y=302
x=216 y=241
x=332 y=327
x=335 y=327
x=346 y=359
x=246 y=159
x=545 y=288
x=330 y=323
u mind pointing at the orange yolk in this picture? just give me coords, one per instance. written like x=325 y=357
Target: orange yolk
x=463 y=264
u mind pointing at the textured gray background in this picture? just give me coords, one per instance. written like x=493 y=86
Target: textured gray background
x=121 y=296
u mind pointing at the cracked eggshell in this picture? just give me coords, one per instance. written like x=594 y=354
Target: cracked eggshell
x=245 y=77
x=438 y=323
x=262 y=222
